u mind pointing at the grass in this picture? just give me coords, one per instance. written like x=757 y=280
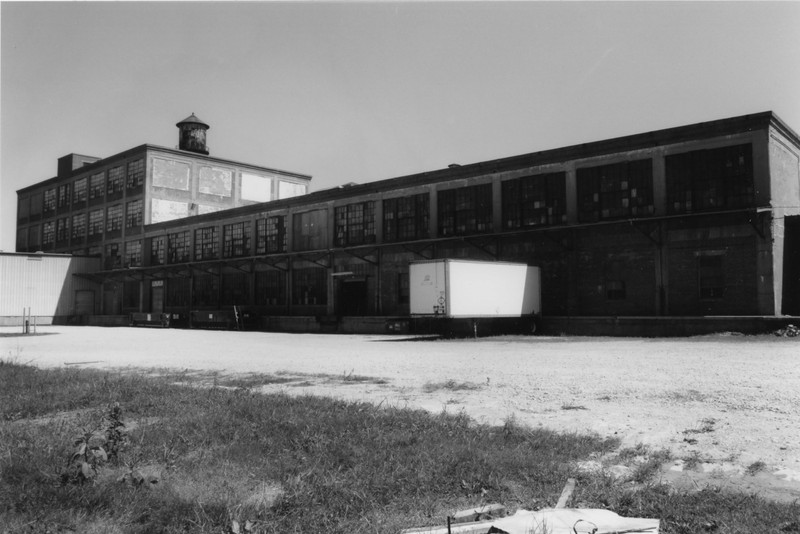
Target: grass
x=706 y=427
x=450 y=385
x=755 y=468
x=212 y=456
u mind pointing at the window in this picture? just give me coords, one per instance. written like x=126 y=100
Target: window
x=215 y=181
x=406 y=218
x=114 y=181
x=711 y=282
x=133 y=253
x=22 y=239
x=23 y=208
x=311 y=230
x=49 y=201
x=615 y=290
x=236 y=240
x=270 y=288
x=466 y=210
x=130 y=295
x=178 y=247
x=112 y=258
x=206 y=243
x=538 y=200
x=97 y=186
x=36 y=204
x=95 y=223
x=48 y=233
x=62 y=229
x=79 y=226
x=114 y=218
x=133 y=214
x=34 y=237
x=290 y=189
x=403 y=288
x=206 y=290
x=177 y=292
x=135 y=174
x=615 y=191
x=235 y=289
x=79 y=191
x=309 y=286
x=256 y=188
x=63 y=195
x=355 y=224
x=271 y=235
x=157 y=251
x=714 y=179
x=171 y=174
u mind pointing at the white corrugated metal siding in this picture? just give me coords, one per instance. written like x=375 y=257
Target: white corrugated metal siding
x=43 y=283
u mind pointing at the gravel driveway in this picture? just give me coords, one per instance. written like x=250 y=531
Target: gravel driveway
x=727 y=400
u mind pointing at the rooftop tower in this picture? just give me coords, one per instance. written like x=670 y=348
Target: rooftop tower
x=193 y=135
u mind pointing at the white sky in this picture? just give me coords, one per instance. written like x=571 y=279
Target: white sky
x=357 y=91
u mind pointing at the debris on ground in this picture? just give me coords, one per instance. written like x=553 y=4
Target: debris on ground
x=551 y=521
x=790 y=331
x=491 y=519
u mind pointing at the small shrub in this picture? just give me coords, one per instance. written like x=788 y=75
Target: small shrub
x=755 y=468
x=95 y=448
x=692 y=461
x=450 y=385
x=707 y=426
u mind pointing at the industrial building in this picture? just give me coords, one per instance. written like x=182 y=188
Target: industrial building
x=668 y=226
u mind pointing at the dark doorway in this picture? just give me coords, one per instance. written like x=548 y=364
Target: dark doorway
x=352 y=297
x=84 y=302
x=157 y=296
x=112 y=303
x=791 y=266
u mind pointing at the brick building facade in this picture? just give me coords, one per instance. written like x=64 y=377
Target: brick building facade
x=691 y=221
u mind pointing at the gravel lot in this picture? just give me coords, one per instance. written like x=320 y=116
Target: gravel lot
x=727 y=399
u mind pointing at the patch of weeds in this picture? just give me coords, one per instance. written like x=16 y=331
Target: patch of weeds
x=755 y=468
x=646 y=462
x=630 y=453
x=573 y=407
x=692 y=461
x=95 y=448
x=690 y=395
x=252 y=380
x=604 y=398
x=350 y=378
x=648 y=469
x=450 y=385
x=706 y=427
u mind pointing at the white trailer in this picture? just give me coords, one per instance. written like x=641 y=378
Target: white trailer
x=475 y=290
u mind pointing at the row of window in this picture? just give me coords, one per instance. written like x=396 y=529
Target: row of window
x=309 y=287
x=106 y=185
x=79 y=226
x=706 y=179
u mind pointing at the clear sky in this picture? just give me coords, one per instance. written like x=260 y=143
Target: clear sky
x=358 y=91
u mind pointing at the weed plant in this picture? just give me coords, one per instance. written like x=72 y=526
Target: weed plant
x=222 y=459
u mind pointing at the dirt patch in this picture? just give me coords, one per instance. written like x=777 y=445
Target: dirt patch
x=720 y=403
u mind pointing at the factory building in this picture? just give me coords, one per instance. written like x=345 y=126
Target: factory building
x=694 y=221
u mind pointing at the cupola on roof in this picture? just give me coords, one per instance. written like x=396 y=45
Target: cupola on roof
x=192 y=119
